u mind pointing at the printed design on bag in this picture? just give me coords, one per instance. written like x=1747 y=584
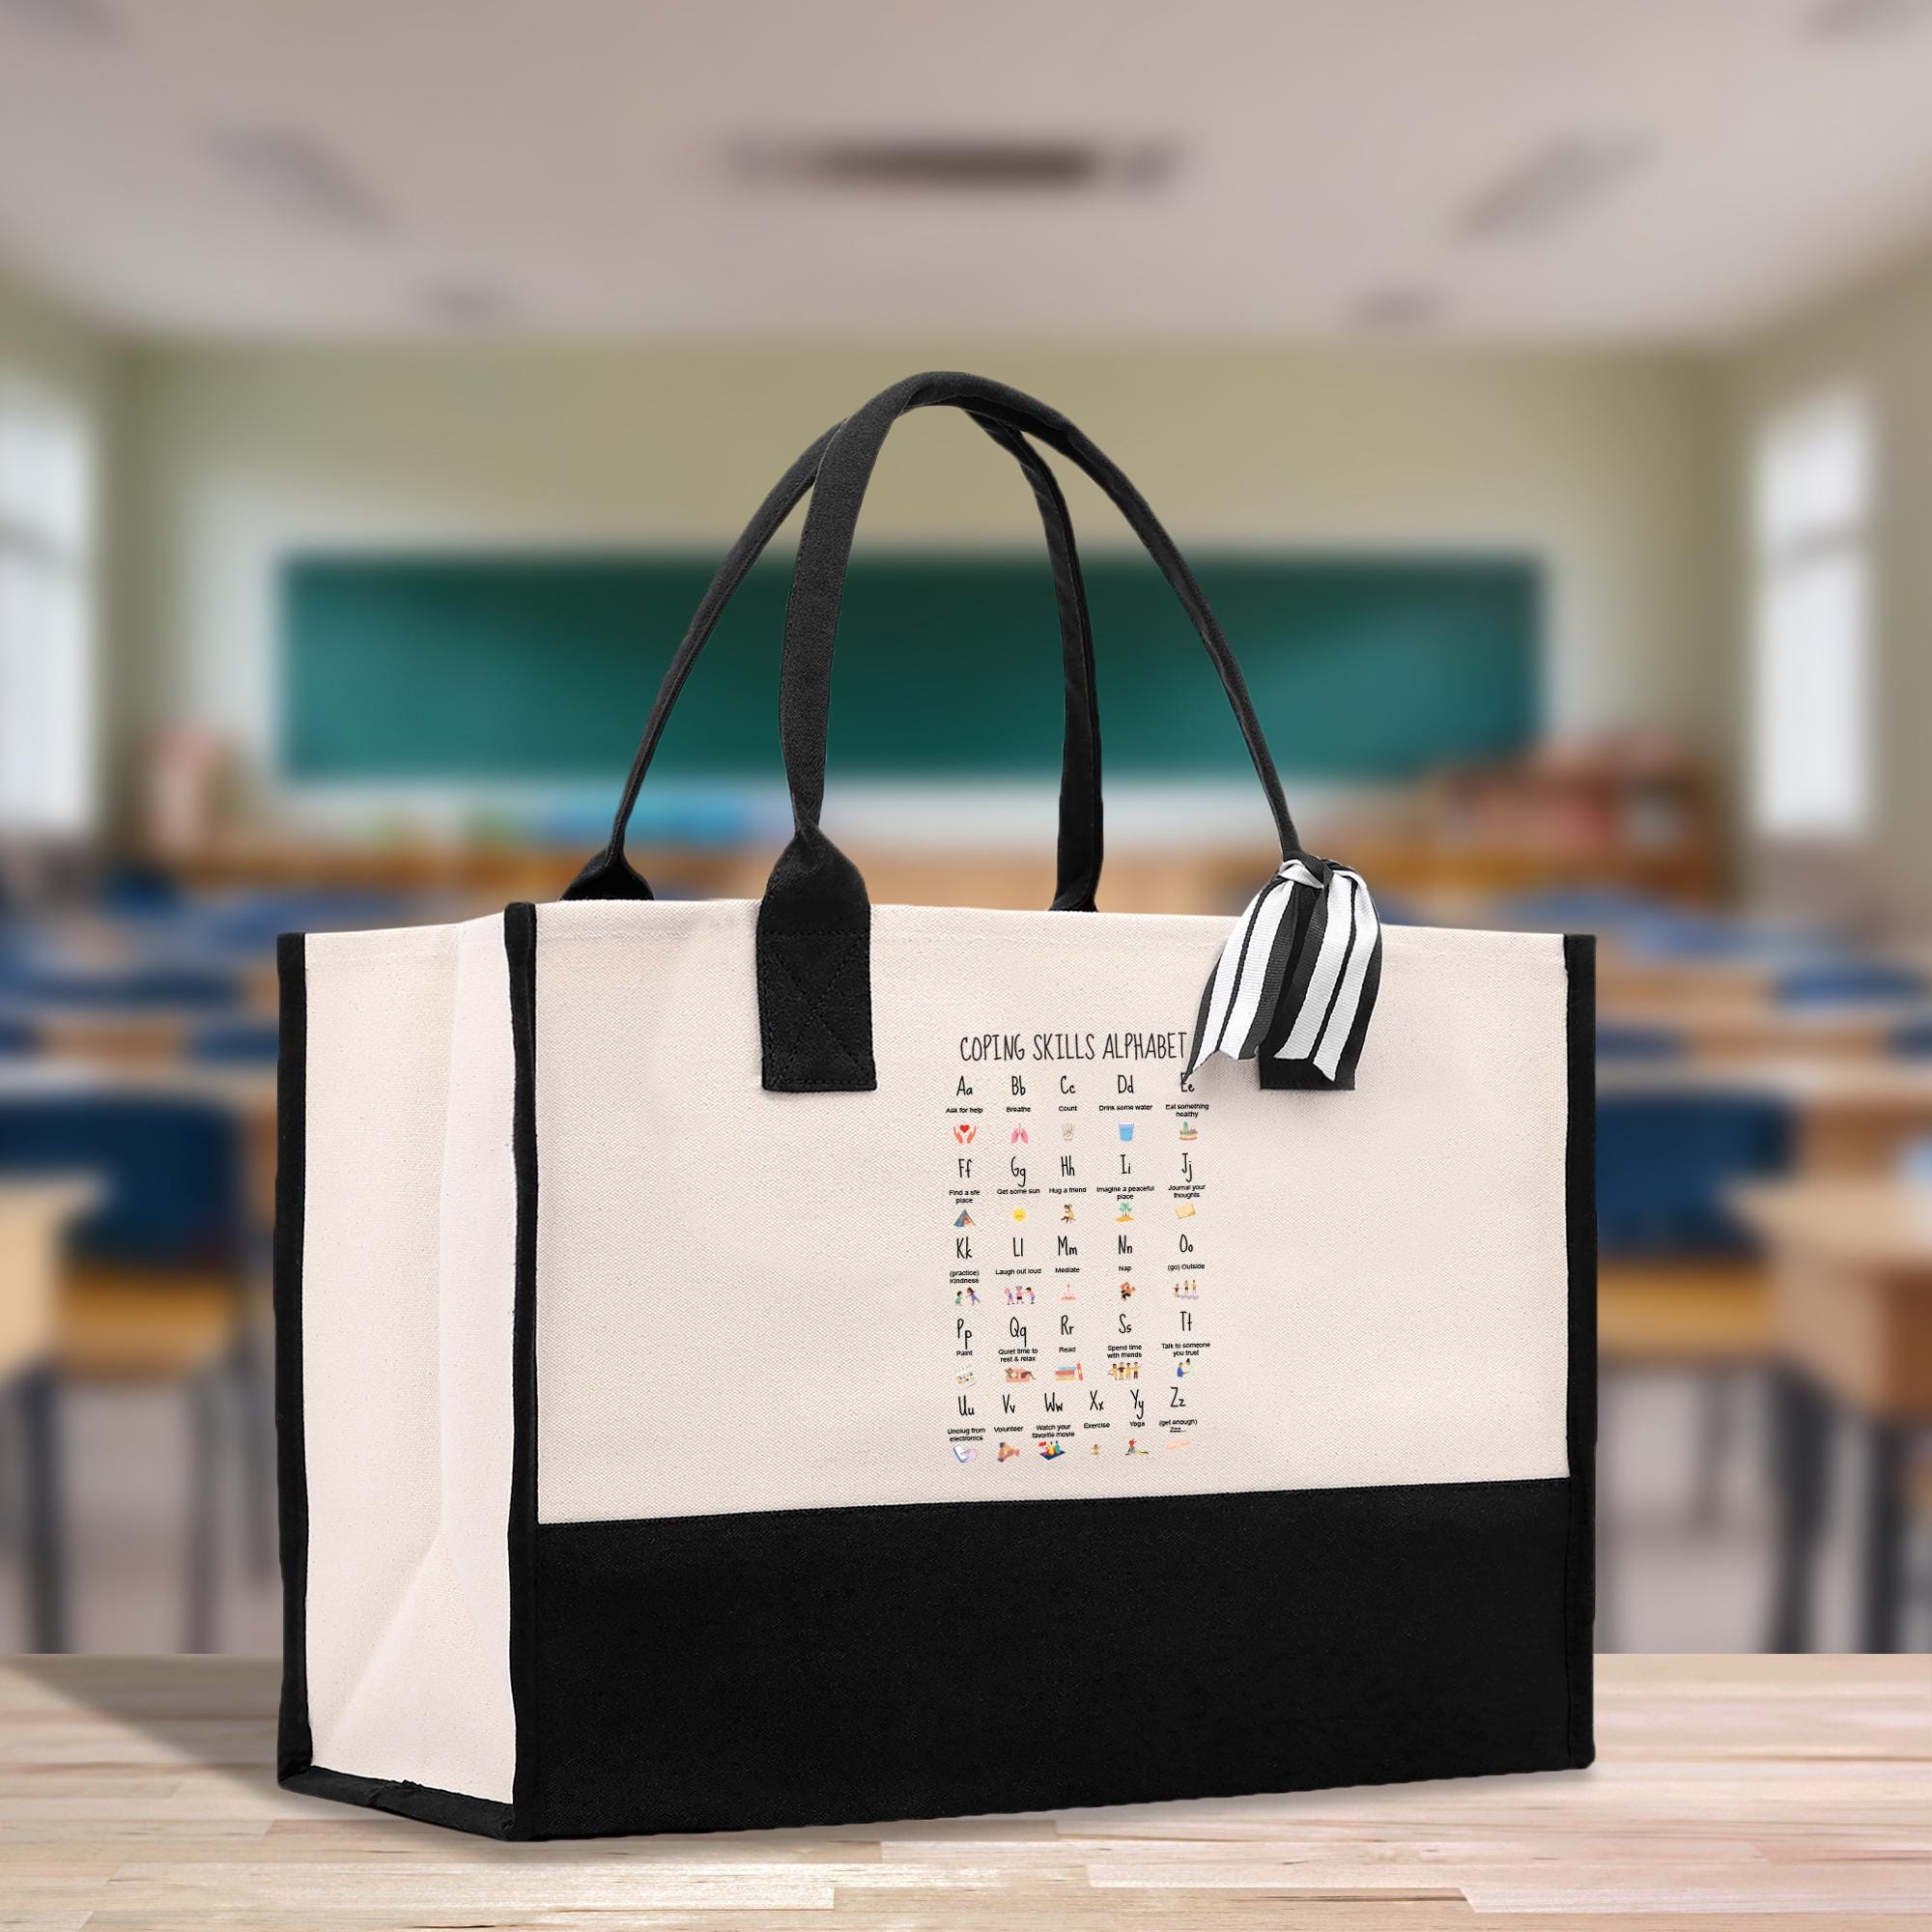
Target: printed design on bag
x=1067 y=1377
x=1297 y=979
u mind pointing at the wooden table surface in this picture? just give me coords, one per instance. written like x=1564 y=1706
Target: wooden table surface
x=136 y=1793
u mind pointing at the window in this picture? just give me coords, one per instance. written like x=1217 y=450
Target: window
x=1813 y=625
x=46 y=615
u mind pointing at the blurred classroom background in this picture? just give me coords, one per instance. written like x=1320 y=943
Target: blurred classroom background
x=1543 y=393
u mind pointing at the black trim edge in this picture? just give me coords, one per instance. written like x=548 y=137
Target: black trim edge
x=519 y=943
x=453 y=1809
x=294 y=1745
x=1579 y=959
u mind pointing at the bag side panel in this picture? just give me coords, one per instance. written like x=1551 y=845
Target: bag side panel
x=405 y=1339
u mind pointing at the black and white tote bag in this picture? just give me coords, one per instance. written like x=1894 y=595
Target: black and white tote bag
x=779 y=1363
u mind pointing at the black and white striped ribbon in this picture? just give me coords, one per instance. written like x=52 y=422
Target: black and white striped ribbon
x=1296 y=980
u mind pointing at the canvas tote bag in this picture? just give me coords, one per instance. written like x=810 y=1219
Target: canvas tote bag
x=808 y=1361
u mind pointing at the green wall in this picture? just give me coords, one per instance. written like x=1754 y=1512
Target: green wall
x=415 y=667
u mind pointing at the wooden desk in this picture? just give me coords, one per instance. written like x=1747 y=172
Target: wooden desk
x=1852 y=1310
x=1726 y=1028
x=1853 y=1115
x=35 y=1216
x=1727 y=1790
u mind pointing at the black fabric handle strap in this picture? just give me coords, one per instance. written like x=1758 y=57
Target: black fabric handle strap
x=609 y=874
x=825 y=551
x=814 y=921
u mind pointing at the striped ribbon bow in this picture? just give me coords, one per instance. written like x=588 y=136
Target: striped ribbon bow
x=1296 y=980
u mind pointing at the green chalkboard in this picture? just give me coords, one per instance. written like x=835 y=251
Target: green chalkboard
x=535 y=668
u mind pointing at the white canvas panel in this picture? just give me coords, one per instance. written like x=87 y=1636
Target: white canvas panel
x=758 y=1301
x=408 y=1301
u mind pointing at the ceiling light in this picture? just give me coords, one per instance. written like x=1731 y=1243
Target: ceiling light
x=1399 y=308
x=464 y=304
x=299 y=176
x=963 y=165
x=1862 y=20
x=1549 y=186
x=72 y=20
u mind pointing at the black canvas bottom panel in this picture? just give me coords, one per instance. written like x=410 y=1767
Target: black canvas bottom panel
x=454 y=1809
x=804 y=1667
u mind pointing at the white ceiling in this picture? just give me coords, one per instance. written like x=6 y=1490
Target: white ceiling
x=563 y=168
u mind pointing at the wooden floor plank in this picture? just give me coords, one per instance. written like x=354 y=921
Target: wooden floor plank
x=136 y=1793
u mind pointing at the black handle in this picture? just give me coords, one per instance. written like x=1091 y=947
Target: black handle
x=609 y=875
x=814 y=921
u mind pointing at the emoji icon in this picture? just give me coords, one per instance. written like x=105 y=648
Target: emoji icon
x=1020 y=1214
x=1134 y=1448
x=1007 y=1452
x=965 y=1380
x=1019 y=1375
x=1126 y=1212
x=965 y=1220
x=1188 y=1133
x=1068 y=1373
x=1020 y=1135
x=1183 y=1368
x=1184 y=1209
x=1049 y=1450
x=1066 y=1130
x=1127 y=1289
x=1067 y=1211
x=964 y=1451
x=963 y=1131
x=1127 y=1130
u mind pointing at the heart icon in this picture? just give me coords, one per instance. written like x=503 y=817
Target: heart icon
x=964 y=1132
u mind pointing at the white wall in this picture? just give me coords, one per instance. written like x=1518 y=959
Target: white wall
x=1879 y=339
x=1604 y=465
x=53 y=351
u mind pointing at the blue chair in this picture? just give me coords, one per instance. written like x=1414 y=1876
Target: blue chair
x=252 y=922
x=1839 y=983
x=138 y=891
x=236 y=1042
x=1679 y=1285
x=154 y=1293
x=143 y=987
x=1579 y=909
x=1623 y=1039
x=1666 y=1163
